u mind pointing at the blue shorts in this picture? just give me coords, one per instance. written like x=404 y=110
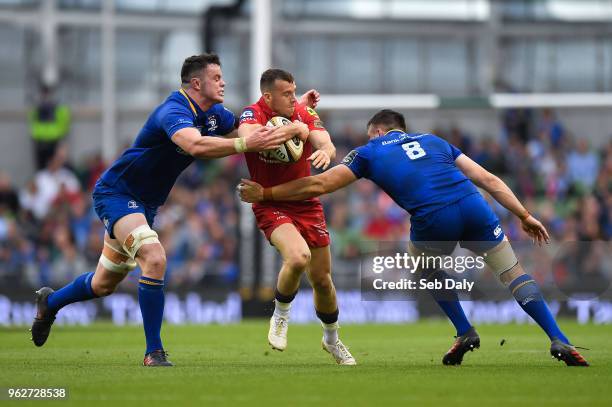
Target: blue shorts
x=111 y=205
x=469 y=221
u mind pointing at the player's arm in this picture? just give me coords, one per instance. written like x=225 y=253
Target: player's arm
x=502 y=194
x=325 y=150
x=283 y=132
x=299 y=189
x=193 y=143
x=232 y=134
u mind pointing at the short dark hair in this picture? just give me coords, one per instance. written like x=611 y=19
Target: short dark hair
x=195 y=63
x=389 y=119
x=266 y=82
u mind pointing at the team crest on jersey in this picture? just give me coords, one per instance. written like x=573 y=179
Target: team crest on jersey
x=132 y=204
x=350 y=157
x=497 y=231
x=212 y=124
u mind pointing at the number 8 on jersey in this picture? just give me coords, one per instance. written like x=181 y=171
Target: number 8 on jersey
x=413 y=150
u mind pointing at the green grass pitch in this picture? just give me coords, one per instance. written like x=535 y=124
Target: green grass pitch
x=233 y=365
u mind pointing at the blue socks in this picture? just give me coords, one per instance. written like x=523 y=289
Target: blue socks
x=527 y=293
x=454 y=312
x=151 y=299
x=449 y=302
x=78 y=290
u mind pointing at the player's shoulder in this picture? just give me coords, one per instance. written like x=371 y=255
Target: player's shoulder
x=174 y=103
x=175 y=98
x=420 y=137
x=436 y=142
x=305 y=112
x=251 y=114
x=255 y=108
x=364 y=150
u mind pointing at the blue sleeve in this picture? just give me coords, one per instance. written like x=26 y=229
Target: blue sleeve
x=173 y=118
x=228 y=121
x=358 y=162
x=455 y=152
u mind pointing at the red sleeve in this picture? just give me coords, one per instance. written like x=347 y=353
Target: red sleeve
x=250 y=115
x=310 y=118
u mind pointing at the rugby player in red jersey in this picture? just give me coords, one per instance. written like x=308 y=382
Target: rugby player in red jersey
x=296 y=229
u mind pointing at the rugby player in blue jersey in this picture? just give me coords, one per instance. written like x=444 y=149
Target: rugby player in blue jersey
x=126 y=197
x=436 y=184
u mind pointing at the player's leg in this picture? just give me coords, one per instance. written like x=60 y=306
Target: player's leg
x=435 y=235
x=483 y=233
x=326 y=305
x=324 y=292
x=503 y=262
x=467 y=338
x=295 y=256
x=142 y=244
x=113 y=266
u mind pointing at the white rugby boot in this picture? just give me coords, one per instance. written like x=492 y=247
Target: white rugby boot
x=277 y=335
x=339 y=352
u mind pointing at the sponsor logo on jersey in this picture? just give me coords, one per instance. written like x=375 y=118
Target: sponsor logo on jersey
x=350 y=157
x=497 y=231
x=384 y=143
x=132 y=204
x=248 y=114
x=311 y=111
x=183 y=121
x=268 y=157
x=279 y=215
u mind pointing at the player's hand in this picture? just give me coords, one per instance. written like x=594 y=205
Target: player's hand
x=320 y=159
x=310 y=98
x=535 y=230
x=303 y=129
x=264 y=138
x=289 y=131
x=250 y=191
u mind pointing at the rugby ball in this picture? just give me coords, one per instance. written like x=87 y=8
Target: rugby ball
x=292 y=149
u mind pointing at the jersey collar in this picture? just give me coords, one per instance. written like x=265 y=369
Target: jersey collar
x=192 y=104
x=393 y=131
x=269 y=112
x=265 y=108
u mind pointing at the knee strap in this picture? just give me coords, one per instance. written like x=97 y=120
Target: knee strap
x=501 y=258
x=115 y=259
x=140 y=236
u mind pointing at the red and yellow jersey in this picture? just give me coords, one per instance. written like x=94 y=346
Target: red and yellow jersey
x=263 y=168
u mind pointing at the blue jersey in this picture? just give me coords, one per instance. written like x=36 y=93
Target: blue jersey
x=416 y=170
x=148 y=170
